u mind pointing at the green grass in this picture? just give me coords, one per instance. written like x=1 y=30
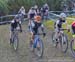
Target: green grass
x=72 y=16
x=49 y=24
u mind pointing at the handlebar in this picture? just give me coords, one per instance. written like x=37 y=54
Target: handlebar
x=65 y=29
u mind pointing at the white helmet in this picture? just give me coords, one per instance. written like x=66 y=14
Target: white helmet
x=62 y=15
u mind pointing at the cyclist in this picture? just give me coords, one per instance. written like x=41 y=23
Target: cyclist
x=58 y=24
x=34 y=28
x=31 y=15
x=21 y=13
x=73 y=32
x=37 y=10
x=22 y=10
x=15 y=24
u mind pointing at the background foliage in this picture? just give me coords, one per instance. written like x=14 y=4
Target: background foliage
x=12 y=6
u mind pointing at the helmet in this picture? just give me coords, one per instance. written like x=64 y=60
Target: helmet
x=37 y=18
x=22 y=7
x=62 y=15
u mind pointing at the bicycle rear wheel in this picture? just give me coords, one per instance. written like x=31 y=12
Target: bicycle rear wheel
x=39 y=50
x=72 y=46
x=64 y=43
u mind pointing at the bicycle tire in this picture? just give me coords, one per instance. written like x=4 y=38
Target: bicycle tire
x=65 y=42
x=72 y=51
x=42 y=46
x=15 y=41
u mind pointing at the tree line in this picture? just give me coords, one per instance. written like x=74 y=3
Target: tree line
x=12 y=6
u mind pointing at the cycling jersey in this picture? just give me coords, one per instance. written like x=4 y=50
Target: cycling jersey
x=31 y=14
x=58 y=24
x=15 y=24
x=35 y=27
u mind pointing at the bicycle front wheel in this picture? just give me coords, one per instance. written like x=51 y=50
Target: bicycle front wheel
x=72 y=46
x=15 y=44
x=39 y=50
x=64 y=43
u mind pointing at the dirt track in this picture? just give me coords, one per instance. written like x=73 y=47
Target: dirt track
x=51 y=54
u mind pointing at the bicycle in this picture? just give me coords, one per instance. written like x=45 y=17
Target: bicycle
x=62 y=39
x=37 y=45
x=15 y=39
x=72 y=46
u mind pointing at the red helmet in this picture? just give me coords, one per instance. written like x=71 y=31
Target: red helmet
x=37 y=18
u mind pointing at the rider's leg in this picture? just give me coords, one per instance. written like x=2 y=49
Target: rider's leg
x=29 y=23
x=11 y=34
x=31 y=41
x=56 y=34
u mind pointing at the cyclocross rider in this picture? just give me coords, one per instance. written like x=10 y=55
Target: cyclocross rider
x=15 y=24
x=58 y=24
x=34 y=28
x=31 y=15
x=21 y=13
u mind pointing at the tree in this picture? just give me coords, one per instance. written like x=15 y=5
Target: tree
x=3 y=7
